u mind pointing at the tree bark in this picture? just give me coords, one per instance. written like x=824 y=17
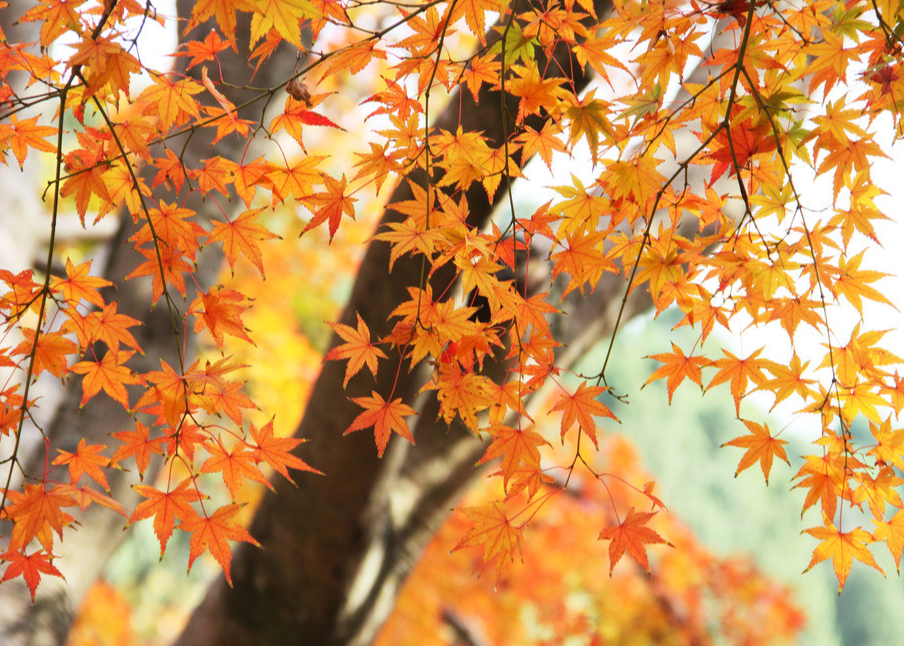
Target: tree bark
x=337 y=548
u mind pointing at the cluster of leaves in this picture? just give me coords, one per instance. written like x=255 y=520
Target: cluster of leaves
x=692 y=596
x=68 y=327
x=789 y=85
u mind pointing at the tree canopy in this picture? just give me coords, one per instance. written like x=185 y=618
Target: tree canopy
x=698 y=125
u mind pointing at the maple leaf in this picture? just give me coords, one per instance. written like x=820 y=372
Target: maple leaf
x=78 y=285
x=516 y=446
x=760 y=445
x=225 y=398
x=220 y=310
x=824 y=479
x=110 y=374
x=295 y=115
x=631 y=534
x=276 y=451
x=213 y=533
x=677 y=367
x=172 y=101
x=50 y=351
x=851 y=282
x=385 y=417
x=739 y=371
x=461 y=392
x=27 y=134
x=166 y=507
x=892 y=532
x=86 y=459
x=173 y=265
x=29 y=567
x=333 y=203
x=474 y=14
x=493 y=530
x=206 y=50
x=543 y=142
x=408 y=237
x=358 y=349
x=107 y=325
x=241 y=236
x=588 y=121
x=236 y=465
x=37 y=513
x=284 y=16
x=137 y=443
x=56 y=18
x=223 y=10
x=842 y=548
x=168 y=389
x=582 y=407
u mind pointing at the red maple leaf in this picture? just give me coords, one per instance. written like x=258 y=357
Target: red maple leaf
x=29 y=567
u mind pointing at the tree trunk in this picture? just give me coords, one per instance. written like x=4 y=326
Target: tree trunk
x=337 y=548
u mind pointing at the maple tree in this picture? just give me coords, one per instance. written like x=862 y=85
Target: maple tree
x=467 y=322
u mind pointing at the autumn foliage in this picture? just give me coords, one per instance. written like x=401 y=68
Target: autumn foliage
x=718 y=228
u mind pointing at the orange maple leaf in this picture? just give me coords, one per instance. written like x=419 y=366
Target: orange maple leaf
x=223 y=10
x=384 y=416
x=760 y=445
x=110 y=374
x=581 y=407
x=631 y=534
x=202 y=51
x=516 y=447
x=37 y=513
x=493 y=530
x=284 y=16
x=333 y=203
x=220 y=311
x=236 y=464
x=276 y=451
x=86 y=459
x=358 y=349
x=892 y=532
x=50 y=351
x=170 y=391
x=106 y=325
x=213 y=533
x=137 y=443
x=739 y=371
x=842 y=548
x=242 y=235
x=677 y=367
x=78 y=285
x=166 y=507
